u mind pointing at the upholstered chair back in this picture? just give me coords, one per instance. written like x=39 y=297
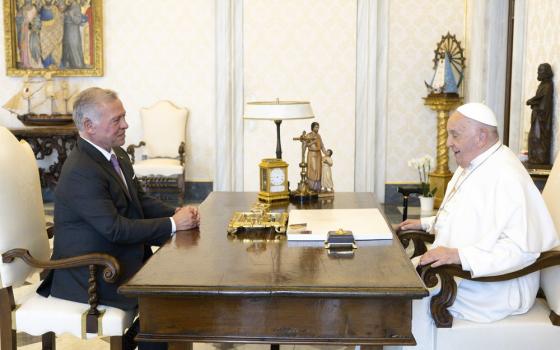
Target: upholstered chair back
x=550 y=277
x=164 y=126
x=22 y=220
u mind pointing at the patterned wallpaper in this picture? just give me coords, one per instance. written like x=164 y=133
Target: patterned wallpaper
x=542 y=43
x=155 y=50
x=301 y=50
x=415 y=29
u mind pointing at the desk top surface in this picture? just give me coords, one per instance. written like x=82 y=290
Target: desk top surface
x=205 y=262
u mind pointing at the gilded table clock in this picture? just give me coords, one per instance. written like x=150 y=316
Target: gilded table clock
x=273 y=180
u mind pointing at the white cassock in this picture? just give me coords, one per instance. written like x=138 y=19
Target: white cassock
x=497 y=218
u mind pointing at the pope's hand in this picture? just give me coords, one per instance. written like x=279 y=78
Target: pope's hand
x=186 y=218
x=440 y=256
x=410 y=224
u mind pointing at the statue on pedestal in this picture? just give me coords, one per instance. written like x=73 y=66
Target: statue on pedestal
x=540 y=133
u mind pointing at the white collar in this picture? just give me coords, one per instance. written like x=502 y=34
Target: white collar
x=482 y=157
x=101 y=149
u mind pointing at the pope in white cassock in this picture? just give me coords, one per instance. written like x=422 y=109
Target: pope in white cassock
x=492 y=220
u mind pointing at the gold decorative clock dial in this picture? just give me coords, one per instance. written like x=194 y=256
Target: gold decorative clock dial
x=273 y=180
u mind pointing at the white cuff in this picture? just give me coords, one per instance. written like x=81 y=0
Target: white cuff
x=464 y=261
x=427 y=223
x=173 y=226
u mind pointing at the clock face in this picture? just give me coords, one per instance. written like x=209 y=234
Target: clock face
x=277 y=177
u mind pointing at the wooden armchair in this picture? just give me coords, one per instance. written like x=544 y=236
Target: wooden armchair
x=24 y=246
x=161 y=169
x=536 y=329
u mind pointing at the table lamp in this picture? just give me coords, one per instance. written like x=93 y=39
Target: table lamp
x=278 y=111
x=274 y=172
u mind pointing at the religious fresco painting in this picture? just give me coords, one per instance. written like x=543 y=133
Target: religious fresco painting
x=60 y=37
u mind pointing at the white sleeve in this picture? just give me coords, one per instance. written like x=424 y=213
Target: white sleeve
x=427 y=223
x=506 y=256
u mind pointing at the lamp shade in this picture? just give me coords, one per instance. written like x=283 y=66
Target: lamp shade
x=278 y=110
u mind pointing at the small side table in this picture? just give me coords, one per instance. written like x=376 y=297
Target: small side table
x=406 y=191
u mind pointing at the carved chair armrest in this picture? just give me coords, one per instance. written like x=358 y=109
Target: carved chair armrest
x=446 y=296
x=110 y=274
x=182 y=152
x=130 y=150
x=418 y=237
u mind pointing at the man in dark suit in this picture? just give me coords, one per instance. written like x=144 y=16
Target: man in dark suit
x=100 y=206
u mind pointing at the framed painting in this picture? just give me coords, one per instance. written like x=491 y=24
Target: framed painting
x=60 y=37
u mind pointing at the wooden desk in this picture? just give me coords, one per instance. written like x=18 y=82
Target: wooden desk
x=203 y=287
x=46 y=139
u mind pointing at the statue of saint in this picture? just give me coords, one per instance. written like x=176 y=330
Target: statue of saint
x=540 y=134
x=315 y=151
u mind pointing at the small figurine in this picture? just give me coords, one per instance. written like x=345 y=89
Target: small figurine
x=540 y=134
x=315 y=148
x=326 y=175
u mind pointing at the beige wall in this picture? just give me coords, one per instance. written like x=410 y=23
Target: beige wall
x=301 y=50
x=155 y=50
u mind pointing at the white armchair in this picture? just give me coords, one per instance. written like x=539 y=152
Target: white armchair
x=537 y=329
x=24 y=247
x=161 y=169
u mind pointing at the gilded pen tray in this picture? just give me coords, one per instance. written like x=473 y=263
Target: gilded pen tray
x=258 y=218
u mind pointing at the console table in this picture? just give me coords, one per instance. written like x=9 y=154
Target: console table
x=44 y=140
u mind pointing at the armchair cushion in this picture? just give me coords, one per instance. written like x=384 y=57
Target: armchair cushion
x=164 y=127
x=158 y=166
x=39 y=315
x=513 y=332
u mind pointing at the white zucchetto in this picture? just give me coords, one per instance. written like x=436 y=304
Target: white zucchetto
x=479 y=112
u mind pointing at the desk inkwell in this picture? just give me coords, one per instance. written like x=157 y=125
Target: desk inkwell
x=340 y=244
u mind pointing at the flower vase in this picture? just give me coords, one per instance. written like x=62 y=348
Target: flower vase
x=426 y=205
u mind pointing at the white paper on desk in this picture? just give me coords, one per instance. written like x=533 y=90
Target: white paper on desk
x=365 y=224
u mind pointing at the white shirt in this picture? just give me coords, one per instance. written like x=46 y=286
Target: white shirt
x=499 y=222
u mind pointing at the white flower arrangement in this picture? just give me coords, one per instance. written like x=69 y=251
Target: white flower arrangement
x=424 y=165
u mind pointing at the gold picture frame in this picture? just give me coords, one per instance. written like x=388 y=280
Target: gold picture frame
x=37 y=42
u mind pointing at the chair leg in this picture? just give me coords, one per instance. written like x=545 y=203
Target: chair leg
x=8 y=339
x=116 y=343
x=405 y=208
x=49 y=341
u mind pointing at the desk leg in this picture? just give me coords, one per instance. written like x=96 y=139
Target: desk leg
x=180 y=346
x=274 y=346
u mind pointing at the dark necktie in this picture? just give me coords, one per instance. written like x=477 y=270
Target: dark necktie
x=117 y=168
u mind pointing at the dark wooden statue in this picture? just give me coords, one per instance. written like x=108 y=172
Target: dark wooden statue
x=540 y=134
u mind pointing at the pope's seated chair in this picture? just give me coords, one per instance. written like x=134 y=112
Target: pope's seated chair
x=25 y=247
x=161 y=167
x=539 y=328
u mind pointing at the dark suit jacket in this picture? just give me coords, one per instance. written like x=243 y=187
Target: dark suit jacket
x=94 y=212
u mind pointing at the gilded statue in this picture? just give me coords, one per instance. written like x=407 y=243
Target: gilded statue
x=540 y=133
